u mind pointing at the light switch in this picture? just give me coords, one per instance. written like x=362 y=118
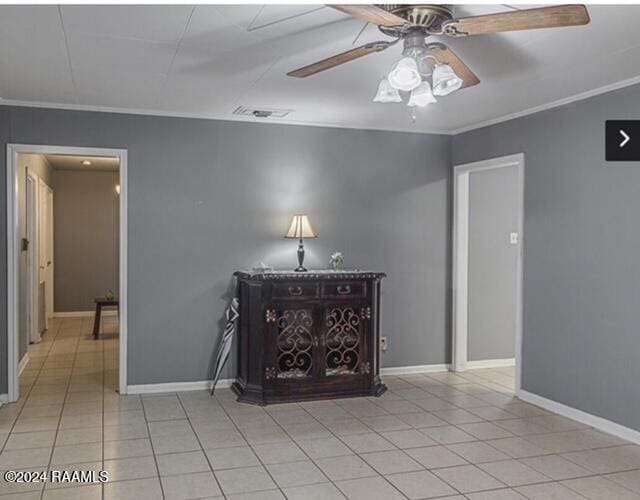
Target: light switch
x=513 y=238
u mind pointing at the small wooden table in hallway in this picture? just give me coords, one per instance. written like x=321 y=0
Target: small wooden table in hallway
x=100 y=303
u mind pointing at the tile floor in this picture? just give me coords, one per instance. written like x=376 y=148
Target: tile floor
x=440 y=435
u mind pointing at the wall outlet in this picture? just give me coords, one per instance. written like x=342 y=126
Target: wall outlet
x=383 y=344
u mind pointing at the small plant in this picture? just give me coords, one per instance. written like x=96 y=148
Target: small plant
x=336 y=260
x=110 y=295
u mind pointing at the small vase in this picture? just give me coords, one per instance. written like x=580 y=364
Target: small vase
x=336 y=261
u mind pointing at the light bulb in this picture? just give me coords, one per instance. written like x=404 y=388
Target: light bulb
x=405 y=75
x=421 y=96
x=445 y=80
x=386 y=93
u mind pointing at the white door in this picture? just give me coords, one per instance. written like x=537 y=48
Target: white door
x=33 y=332
x=49 y=259
x=42 y=254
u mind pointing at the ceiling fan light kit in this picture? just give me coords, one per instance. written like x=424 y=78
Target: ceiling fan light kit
x=423 y=60
x=419 y=70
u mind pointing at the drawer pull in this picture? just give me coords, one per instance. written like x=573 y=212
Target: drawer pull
x=295 y=290
x=343 y=290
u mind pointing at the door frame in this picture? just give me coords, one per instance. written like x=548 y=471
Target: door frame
x=460 y=300
x=13 y=252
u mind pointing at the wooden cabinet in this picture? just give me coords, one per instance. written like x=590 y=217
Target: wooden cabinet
x=305 y=336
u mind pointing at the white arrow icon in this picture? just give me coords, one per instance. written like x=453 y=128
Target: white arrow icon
x=625 y=140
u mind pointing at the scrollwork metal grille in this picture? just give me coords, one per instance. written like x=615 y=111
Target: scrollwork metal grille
x=295 y=342
x=342 y=341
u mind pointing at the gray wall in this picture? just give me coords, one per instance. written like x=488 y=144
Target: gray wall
x=494 y=205
x=85 y=237
x=581 y=273
x=39 y=165
x=208 y=197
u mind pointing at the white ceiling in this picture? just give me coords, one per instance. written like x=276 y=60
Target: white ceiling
x=72 y=162
x=207 y=60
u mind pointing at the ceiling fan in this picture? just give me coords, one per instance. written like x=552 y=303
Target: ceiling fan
x=431 y=68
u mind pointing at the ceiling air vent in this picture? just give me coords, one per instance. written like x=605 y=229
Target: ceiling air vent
x=262 y=112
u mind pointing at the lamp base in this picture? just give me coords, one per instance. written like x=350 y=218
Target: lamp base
x=300 y=268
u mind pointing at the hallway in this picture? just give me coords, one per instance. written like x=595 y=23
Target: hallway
x=69 y=380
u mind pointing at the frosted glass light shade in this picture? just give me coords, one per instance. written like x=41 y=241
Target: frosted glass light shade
x=445 y=80
x=421 y=96
x=386 y=93
x=405 y=75
x=300 y=228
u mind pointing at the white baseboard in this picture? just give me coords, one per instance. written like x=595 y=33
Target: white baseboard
x=491 y=363
x=83 y=314
x=73 y=314
x=407 y=370
x=199 y=385
x=23 y=363
x=602 y=424
x=4 y=399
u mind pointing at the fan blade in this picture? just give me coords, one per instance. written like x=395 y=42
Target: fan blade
x=446 y=56
x=529 y=19
x=339 y=59
x=371 y=14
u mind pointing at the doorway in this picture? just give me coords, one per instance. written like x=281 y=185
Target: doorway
x=31 y=203
x=487 y=264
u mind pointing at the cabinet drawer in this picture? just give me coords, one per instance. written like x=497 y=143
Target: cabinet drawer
x=292 y=290
x=346 y=289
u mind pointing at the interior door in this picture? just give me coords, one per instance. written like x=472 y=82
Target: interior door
x=42 y=253
x=49 y=253
x=31 y=203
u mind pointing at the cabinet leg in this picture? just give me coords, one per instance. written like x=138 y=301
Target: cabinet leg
x=96 y=322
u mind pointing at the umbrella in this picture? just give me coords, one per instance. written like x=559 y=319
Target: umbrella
x=227 y=338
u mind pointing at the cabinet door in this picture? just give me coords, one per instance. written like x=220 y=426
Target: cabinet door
x=292 y=342
x=344 y=337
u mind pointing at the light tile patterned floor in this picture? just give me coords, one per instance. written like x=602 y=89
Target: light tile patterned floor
x=440 y=435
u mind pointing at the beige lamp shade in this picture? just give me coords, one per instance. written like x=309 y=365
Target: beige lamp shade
x=300 y=228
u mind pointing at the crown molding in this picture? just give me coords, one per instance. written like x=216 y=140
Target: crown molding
x=222 y=117
x=550 y=105
x=234 y=118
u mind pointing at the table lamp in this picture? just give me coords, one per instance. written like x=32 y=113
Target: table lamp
x=300 y=228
